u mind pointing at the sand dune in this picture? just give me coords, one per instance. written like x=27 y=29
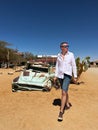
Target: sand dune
x=35 y=110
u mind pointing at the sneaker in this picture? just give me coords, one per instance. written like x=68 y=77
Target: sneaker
x=60 y=117
x=67 y=106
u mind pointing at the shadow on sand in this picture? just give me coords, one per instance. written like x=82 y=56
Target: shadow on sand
x=57 y=102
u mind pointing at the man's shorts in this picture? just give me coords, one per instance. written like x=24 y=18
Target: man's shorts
x=65 y=82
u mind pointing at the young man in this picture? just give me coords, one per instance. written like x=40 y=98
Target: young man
x=65 y=67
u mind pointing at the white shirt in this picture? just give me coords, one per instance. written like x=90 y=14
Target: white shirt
x=66 y=65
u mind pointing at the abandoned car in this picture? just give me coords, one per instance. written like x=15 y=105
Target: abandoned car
x=34 y=78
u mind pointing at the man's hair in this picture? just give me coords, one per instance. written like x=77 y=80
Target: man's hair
x=63 y=43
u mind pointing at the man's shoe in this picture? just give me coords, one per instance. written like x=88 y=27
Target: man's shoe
x=60 y=117
x=67 y=106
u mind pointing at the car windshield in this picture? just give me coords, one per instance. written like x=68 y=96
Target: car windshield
x=40 y=68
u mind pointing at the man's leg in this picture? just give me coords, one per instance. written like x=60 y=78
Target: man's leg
x=64 y=97
x=63 y=100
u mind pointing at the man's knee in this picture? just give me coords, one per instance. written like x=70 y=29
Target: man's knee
x=64 y=93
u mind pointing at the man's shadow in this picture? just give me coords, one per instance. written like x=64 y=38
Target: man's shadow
x=57 y=102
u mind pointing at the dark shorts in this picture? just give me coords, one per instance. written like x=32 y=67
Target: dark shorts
x=65 y=82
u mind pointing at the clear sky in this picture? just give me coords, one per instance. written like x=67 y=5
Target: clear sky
x=39 y=26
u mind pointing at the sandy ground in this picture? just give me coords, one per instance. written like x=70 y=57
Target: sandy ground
x=36 y=110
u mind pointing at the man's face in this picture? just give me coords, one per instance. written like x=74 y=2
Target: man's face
x=64 y=47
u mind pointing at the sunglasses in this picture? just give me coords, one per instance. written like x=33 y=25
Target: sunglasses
x=65 y=46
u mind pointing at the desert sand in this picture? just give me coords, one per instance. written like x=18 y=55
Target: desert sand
x=37 y=110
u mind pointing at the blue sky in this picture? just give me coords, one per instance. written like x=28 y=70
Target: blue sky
x=39 y=26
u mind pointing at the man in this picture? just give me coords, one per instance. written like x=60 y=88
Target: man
x=65 y=67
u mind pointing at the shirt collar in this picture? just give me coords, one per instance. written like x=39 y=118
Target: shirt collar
x=65 y=54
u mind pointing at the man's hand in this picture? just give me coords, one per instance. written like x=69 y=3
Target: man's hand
x=55 y=78
x=75 y=80
x=57 y=84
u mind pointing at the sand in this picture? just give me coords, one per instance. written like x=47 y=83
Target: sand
x=35 y=110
